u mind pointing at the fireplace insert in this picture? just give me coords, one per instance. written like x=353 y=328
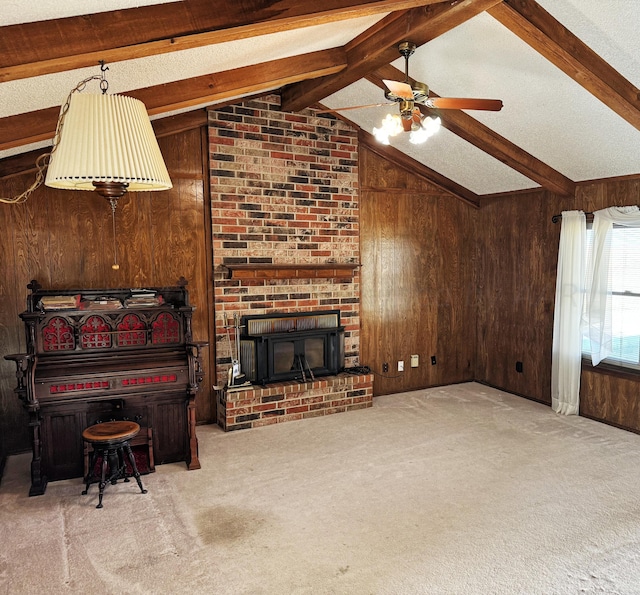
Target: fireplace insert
x=298 y=346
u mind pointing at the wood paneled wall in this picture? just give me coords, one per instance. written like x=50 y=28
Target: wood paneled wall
x=417 y=281
x=613 y=398
x=517 y=260
x=64 y=239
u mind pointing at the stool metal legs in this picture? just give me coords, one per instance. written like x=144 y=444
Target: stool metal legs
x=92 y=464
x=134 y=467
x=113 y=460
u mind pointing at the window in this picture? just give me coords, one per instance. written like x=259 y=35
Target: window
x=625 y=298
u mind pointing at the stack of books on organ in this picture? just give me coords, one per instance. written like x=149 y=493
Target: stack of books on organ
x=143 y=298
x=60 y=302
x=102 y=303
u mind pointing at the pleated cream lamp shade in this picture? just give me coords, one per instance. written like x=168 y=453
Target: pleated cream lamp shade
x=107 y=139
x=106 y=143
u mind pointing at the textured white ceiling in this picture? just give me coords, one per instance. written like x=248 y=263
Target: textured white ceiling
x=611 y=29
x=545 y=112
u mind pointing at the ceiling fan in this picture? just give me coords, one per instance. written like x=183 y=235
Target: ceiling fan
x=408 y=95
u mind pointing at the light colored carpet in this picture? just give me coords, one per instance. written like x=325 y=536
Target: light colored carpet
x=455 y=490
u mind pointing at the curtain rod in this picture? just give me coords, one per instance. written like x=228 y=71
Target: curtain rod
x=558 y=217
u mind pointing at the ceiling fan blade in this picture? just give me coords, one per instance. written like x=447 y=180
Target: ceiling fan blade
x=492 y=105
x=402 y=90
x=342 y=109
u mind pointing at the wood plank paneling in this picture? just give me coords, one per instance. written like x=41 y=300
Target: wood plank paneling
x=611 y=398
x=417 y=253
x=13 y=419
x=64 y=239
x=456 y=268
x=380 y=174
x=517 y=257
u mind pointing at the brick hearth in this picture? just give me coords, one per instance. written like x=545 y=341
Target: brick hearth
x=288 y=401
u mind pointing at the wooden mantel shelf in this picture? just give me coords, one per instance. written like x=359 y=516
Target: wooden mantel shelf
x=290 y=271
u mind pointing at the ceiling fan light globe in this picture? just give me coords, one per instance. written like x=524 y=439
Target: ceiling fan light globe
x=431 y=124
x=419 y=136
x=381 y=136
x=392 y=124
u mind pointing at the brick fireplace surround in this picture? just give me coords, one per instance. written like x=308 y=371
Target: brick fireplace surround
x=284 y=191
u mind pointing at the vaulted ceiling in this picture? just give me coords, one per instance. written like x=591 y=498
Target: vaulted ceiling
x=567 y=72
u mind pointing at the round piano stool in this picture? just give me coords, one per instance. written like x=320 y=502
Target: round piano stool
x=110 y=440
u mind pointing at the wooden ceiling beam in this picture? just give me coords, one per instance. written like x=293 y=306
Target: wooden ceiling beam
x=529 y=21
x=488 y=140
x=265 y=76
x=378 y=46
x=43 y=47
x=40 y=125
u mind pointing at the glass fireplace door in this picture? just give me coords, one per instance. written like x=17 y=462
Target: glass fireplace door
x=314 y=353
x=284 y=357
x=291 y=346
x=299 y=356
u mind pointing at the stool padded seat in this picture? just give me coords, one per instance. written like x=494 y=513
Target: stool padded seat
x=110 y=441
x=111 y=431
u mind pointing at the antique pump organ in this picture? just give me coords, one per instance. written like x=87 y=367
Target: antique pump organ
x=99 y=354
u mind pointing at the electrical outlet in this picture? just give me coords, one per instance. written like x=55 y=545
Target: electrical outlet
x=415 y=361
x=519 y=367
x=401 y=366
x=385 y=367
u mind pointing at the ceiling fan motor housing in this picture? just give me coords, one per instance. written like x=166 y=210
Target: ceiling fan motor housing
x=406 y=109
x=420 y=92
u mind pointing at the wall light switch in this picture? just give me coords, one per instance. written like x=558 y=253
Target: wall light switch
x=401 y=366
x=415 y=361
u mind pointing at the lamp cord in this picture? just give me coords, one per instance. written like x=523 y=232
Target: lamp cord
x=42 y=162
x=114 y=201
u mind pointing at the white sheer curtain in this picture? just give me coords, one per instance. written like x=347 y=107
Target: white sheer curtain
x=566 y=355
x=599 y=281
